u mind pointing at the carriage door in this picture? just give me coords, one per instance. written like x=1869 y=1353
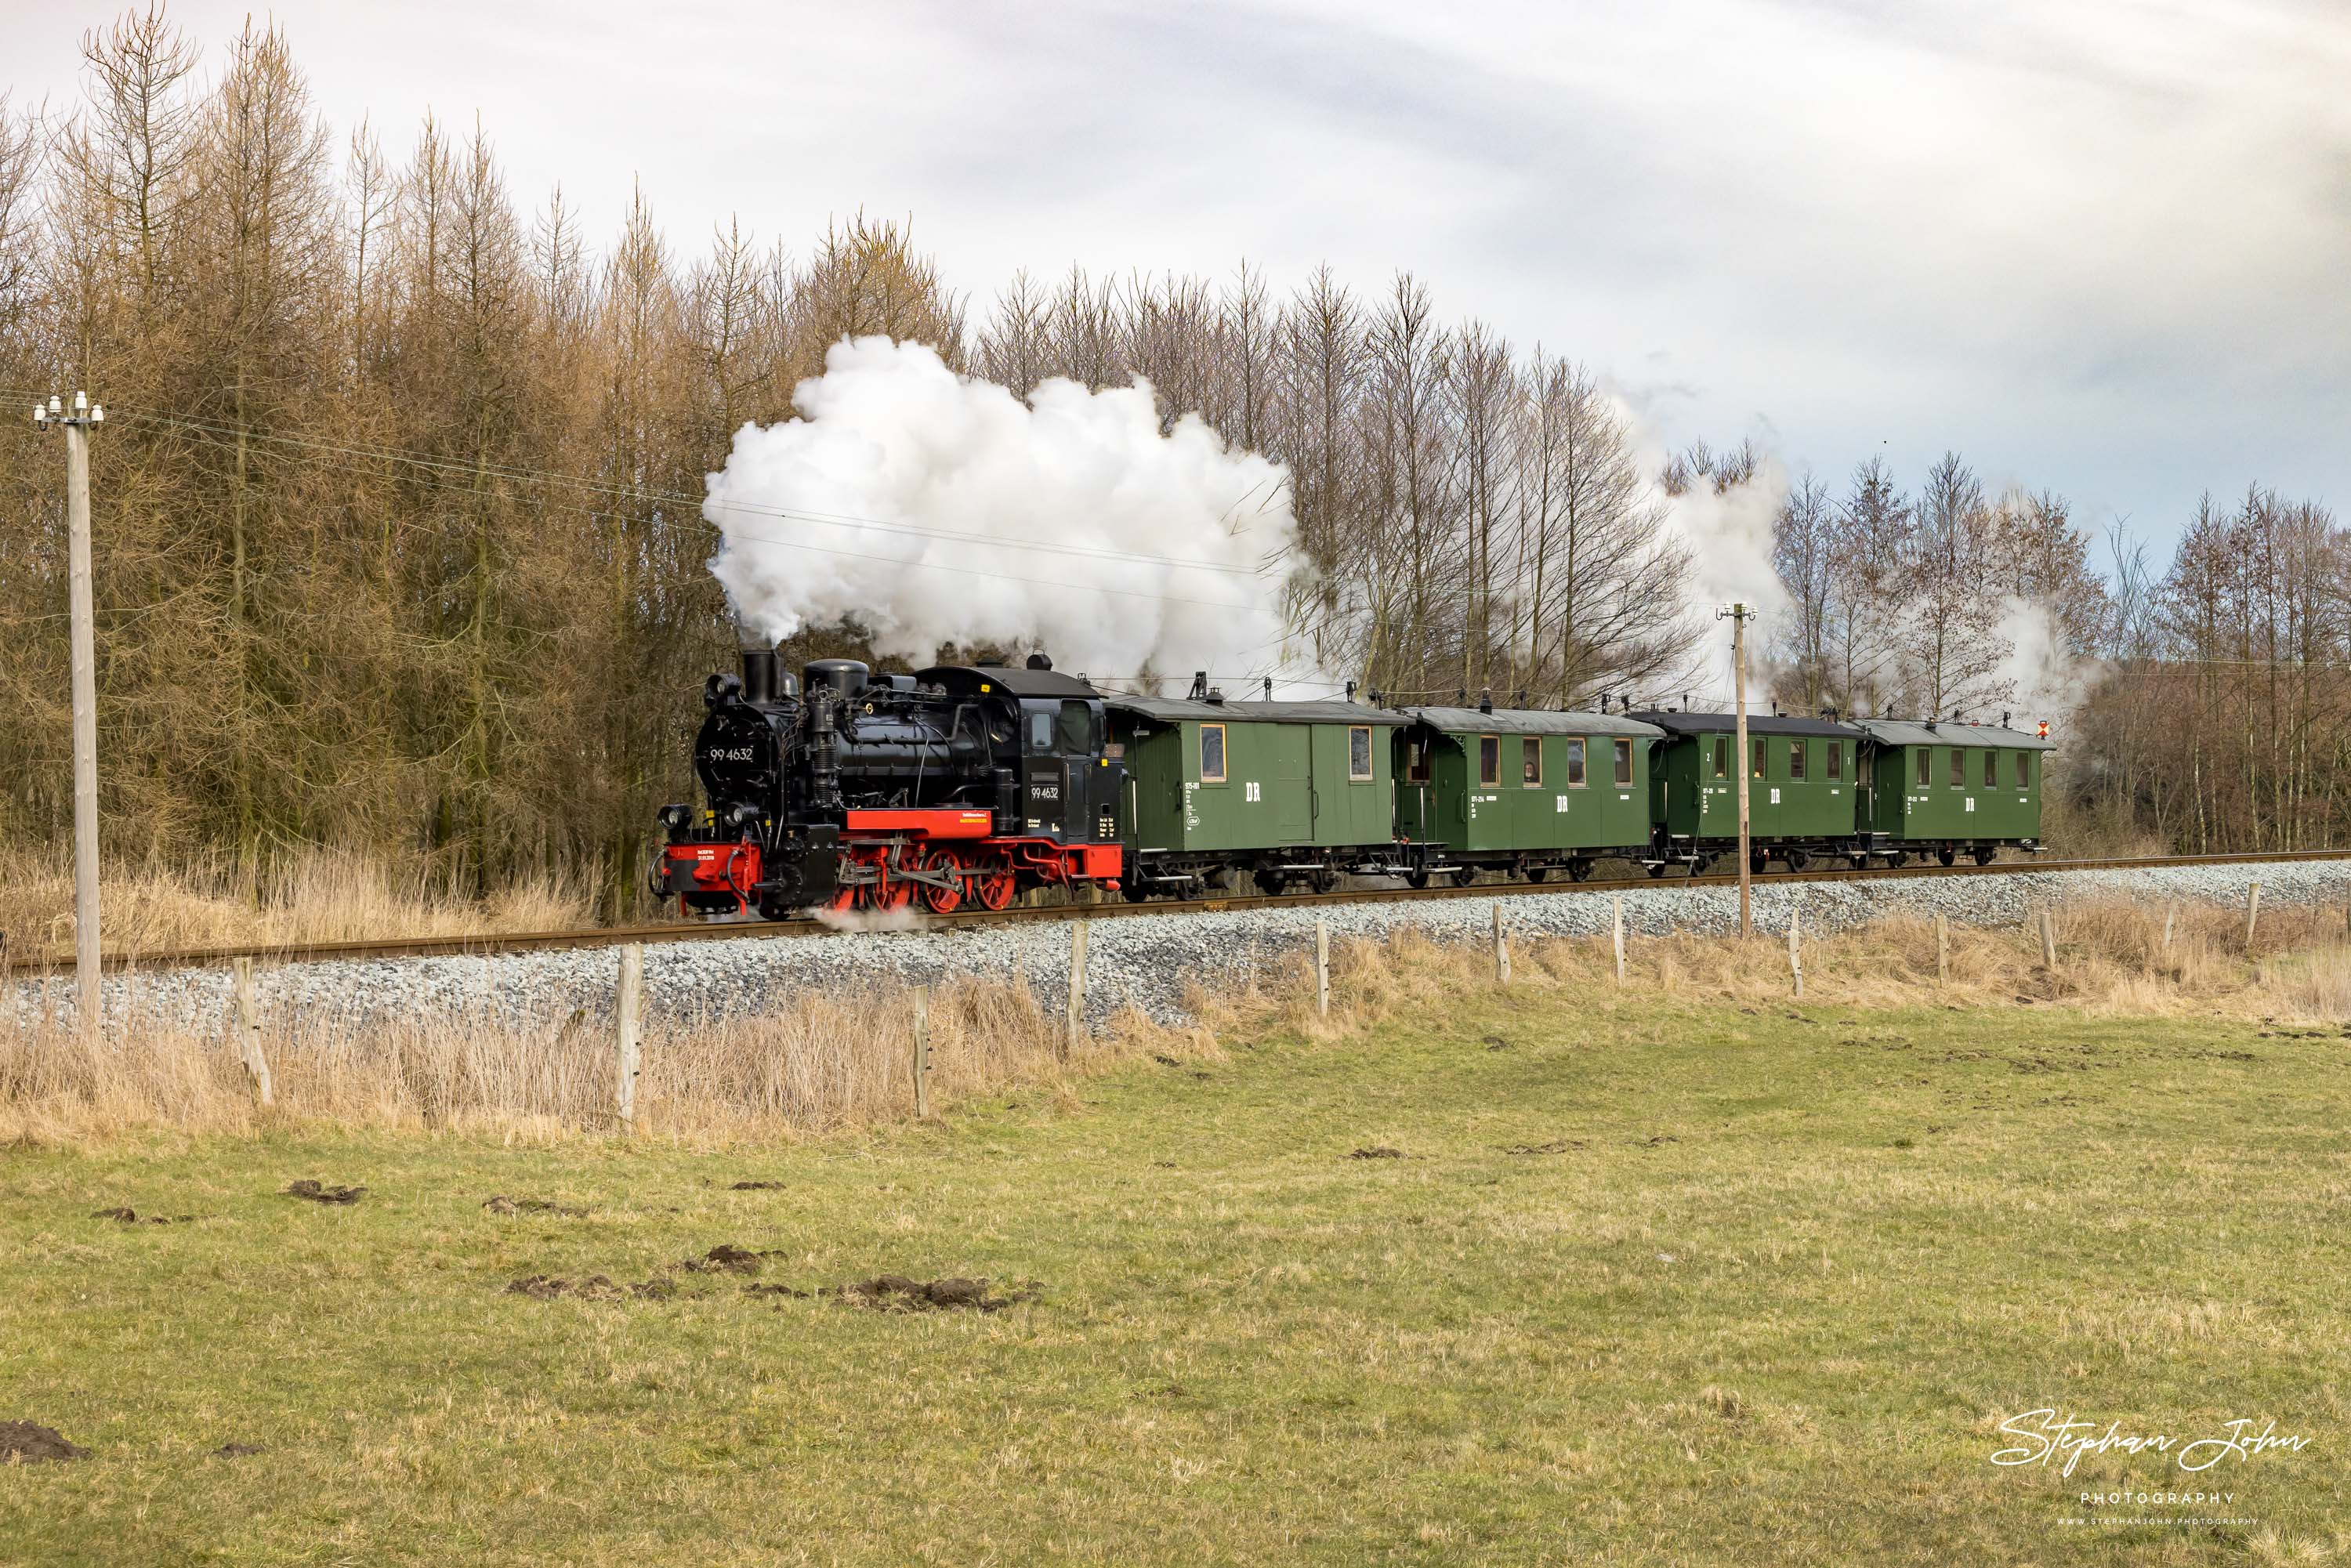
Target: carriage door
x=1047 y=803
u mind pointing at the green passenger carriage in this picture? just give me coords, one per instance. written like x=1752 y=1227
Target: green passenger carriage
x=1525 y=792
x=1291 y=791
x=1801 y=789
x=1950 y=788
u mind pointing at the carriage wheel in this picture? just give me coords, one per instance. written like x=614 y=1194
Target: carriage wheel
x=1578 y=869
x=1464 y=875
x=1984 y=856
x=1946 y=855
x=1326 y=879
x=1415 y=879
x=943 y=899
x=1699 y=866
x=1537 y=873
x=1798 y=860
x=1858 y=863
x=992 y=885
x=1659 y=870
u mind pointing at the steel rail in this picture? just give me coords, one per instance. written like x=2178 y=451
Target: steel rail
x=487 y=943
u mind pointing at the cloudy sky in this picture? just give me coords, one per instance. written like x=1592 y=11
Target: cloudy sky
x=2098 y=246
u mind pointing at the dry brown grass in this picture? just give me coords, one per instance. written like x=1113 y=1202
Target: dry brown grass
x=832 y=1062
x=323 y=895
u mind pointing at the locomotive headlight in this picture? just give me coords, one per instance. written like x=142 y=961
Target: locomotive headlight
x=742 y=816
x=673 y=816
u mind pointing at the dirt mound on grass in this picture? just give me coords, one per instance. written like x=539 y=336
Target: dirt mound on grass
x=23 y=1443
x=501 y=1203
x=724 y=1258
x=128 y=1216
x=1377 y=1152
x=897 y=1294
x=756 y=1186
x=319 y=1192
x=594 y=1287
x=237 y=1450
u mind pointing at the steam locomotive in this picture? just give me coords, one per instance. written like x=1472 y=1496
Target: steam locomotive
x=847 y=788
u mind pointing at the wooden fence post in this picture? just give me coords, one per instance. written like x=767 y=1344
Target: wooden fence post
x=1619 y=901
x=1796 y=947
x=247 y=1026
x=628 y=1008
x=2252 y=913
x=2048 y=939
x=1502 y=950
x=1074 y=1020
x=1942 y=949
x=1323 y=966
x=922 y=1052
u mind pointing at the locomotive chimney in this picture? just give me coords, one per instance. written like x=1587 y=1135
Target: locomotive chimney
x=758 y=673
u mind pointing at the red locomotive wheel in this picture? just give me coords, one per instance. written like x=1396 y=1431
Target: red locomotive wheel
x=992 y=885
x=943 y=899
x=891 y=892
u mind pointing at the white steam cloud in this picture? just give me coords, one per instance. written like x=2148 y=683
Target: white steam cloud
x=940 y=510
x=2048 y=679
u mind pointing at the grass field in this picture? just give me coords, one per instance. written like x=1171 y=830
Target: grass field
x=1646 y=1283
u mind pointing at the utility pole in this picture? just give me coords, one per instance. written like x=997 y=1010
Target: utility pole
x=78 y=425
x=1738 y=614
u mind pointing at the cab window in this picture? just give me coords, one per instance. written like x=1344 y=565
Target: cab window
x=1624 y=762
x=1359 y=751
x=1795 y=759
x=1212 y=754
x=1490 y=760
x=1575 y=763
x=1075 y=732
x=1529 y=761
x=1040 y=729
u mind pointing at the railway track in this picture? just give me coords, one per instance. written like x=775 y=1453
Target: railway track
x=487 y=943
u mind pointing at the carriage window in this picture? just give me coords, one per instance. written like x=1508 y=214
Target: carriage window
x=2023 y=769
x=1991 y=769
x=1958 y=768
x=1925 y=766
x=1755 y=763
x=1575 y=763
x=1836 y=759
x=1076 y=731
x=1359 y=751
x=1415 y=761
x=1721 y=757
x=1212 y=754
x=1795 y=759
x=1624 y=762
x=1490 y=760
x=1530 y=762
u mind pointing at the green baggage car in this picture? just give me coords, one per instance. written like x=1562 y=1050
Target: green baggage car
x=1947 y=788
x=1288 y=791
x=1802 y=785
x=1519 y=791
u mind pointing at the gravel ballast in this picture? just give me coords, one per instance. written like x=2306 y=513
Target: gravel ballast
x=1148 y=960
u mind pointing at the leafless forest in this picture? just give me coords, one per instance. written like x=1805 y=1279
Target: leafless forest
x=399 y=547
